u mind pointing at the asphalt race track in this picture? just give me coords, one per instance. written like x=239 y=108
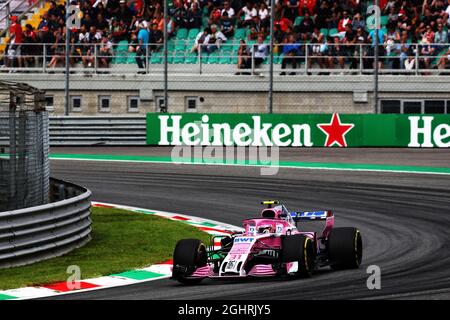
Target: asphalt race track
x=404 y=220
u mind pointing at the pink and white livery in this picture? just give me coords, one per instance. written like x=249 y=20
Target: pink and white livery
x=274 y=244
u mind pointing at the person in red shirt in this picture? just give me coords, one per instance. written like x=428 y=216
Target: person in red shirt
x=344 y=21
x=16 y=29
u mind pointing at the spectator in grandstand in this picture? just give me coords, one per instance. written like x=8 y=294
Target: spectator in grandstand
x=12 y=53
x=58 y=47
x=87 y=21
x=260 y=51
x=358 y=22
x=44 y=21
x=29 y=50
x=409 y=63
x=143 y=38
x=244 y=57
x=16 y=29
x=118 y=30
x=381 y=49
x=444 y=60
x=343 y=23
x=322 y=15
x=226 y=25
x=101 y=24
x=283 y=23
x=156 y=38
x=253 y=33
x=393 y=15
x=201 y=41
x=263 y=15
x=291 y=9
x=194 y=17
x=291 y=54
x=337 y=54
x=441 y=35
x=250 y=13
x=317 y=49
x=305 y=28
x=124 y=13
x=228 y=9
x=104 y=53
x=427 y=51
x=214 y=17
x=214 y=39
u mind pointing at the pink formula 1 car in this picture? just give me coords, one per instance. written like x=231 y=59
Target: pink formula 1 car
x=275 y=244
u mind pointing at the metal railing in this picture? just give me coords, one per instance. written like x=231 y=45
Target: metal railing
x=318 y=59
x=42 y=232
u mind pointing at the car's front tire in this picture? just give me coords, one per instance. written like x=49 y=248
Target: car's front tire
x=189 y=255
x=299 y=248
x=345 y=248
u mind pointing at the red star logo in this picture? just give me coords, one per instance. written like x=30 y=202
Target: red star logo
x=335 y=131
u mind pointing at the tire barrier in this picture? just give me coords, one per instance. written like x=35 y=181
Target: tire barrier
x=37 y=233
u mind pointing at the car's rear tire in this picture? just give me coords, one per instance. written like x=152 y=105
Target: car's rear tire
x=299 y=248
x=189 y=254
x=345 y=248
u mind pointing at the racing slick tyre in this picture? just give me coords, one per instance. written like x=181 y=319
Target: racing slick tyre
x=345 y=248
x=299 y=248
x=189 y=254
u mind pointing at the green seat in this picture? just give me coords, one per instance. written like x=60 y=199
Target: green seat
x=225 y=58
x=332 y=32
x=214 y=57
x=240 y=33
x=179 y=57
x=182 y=33
x=156 y=58
x=193 y=33
x=384 y=20
x=180 y=46
x=131 y=58
x=191 y=58
x=298 y=20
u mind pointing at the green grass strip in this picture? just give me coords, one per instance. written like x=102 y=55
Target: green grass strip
x=286 y=164
x=121 y=240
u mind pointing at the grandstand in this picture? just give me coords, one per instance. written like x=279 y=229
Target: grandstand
x=408 y=28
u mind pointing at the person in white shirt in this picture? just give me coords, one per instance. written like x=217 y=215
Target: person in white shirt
x=214 y=39
x=249 y=12
x=228 y=9
x=201 y=40
x=263 y=14
x=260 y=51
x=410 y=63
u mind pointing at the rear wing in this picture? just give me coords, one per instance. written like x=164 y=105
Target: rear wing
x=311 y=215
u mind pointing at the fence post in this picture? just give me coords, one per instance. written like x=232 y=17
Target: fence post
x=417 y=59
x=95 y=59
x=361 y=63
x=272 y=18
x=200 y=50
x=146 y=59
x=306 y=59
x=44 y=59
x=253 y=59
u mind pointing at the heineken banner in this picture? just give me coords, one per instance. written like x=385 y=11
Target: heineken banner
x=299 y=130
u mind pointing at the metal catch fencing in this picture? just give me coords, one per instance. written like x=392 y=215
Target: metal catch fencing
x=24 y=147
